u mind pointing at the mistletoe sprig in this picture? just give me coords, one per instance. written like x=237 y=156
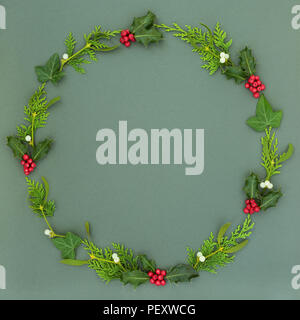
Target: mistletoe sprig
x=117 y=261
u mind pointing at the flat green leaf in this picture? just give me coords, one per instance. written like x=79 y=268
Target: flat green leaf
x=87 y=229
x=147 y=264
x=18 y=147
x=50 y=71
x=52 y=102
x=181 y=273
x=286 y=155
x=41 y=149
x=270 y=200
x=144 y=30
x=72 y=262
x=237 y=247
x=236 y=73
x=247 y=61
x=67 y=245
x=251 y=186
x=222 y=231
x=135 y=278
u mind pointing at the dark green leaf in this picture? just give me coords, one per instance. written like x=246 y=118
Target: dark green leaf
x=286 y=155
x=222 y=231
x=270 y=200
x=72 y=262
x=144 y=30
x=181 y=273
x=236 y=73
x=67 y=245
x=247 y=62
x=50 y=71
x=251 y=186
x=18 y=147
x=237 y=247
x=135 y=278
x=41 y=149
x=147 y=265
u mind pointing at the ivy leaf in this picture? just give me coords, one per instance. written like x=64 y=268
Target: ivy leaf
x=67 y=245
x=270 y=200
x=247 y=62
x=286 y=155
x=265 y=116
x=222 y=231
x=147 y=264
x=134 y=278
x=251 y=186
x=73 y=262
x=50 y=71
x=181 y=273
x=236 y=73
x=237 y=247
x=18 y=147
x=144 y=30
x=42 y=149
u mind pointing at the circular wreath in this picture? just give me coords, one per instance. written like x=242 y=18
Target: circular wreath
x=118 y=262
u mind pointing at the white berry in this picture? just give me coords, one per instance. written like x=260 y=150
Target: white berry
x=65 y=56
x=270 y=185
x=116 y=259
x=262 y=185
x=28 y=138
x=222 y=60
x=202 y=259
x=222 y=54
x=114 y=256
x=199 y=254
x=226 y=56
x=48 y=233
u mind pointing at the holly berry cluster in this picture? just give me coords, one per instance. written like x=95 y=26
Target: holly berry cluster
x=251 y=206
x=126 y=37
x=28 y=164
x=157 y=278
x=255 y=86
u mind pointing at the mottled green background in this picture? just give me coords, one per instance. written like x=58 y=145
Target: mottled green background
x=153 y=209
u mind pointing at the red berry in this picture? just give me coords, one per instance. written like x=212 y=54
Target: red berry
x=246 y=210
x=258 y=82
x=152 y=281
x=122 y=40
x=160 y=277
x=131 y=37
x=157 y=271
x=163 y=273
x=29 y=160
x=257 y=209
x=252 y=77
x=25 y=157
x=126 y=39
x=150 y=273
x=252 y=200
x=163 y=282
x=27 y=165
x=248 y=206
x=251 y=89
x=251 y=81
x=124 y=33
x=33 y=165
x=263 y=87
x=27 y=173
x=247 y=85
x=251 y=211
x=127 y=31
x=255 y=84
x=157 y=282
x=30 y=169
x=154 y=277
x=254 y=90
x=256 y=95
x=256 y=77
x=127 y=44
x=259 y=88
x=23 y=162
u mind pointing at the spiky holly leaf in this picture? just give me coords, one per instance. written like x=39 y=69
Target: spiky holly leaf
x=146 y=264
x=50 y=71
x=236 y=73
x=144 y=30
x=18 y=147
x=247 y=61
x=251 y=186
x=41 y=149
x=181 y=273
x=265 y=116
x=67 y=245
x=270 y=200
x=135 y=278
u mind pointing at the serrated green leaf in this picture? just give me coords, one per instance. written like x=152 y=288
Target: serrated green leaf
x=251 y=186
x=222 y=231
x=50 y=71
x=247 y=61
x=144 y=30
x=270 y=200
x=147 y=264
x=67 y=245
x=41 y=149
x=237 y=247
x=73 y=262
x=181 y=273
x=286 y=155
x=135 y=278
x=18 y=147
x=236 y=73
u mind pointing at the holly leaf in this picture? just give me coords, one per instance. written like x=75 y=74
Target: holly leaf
x=50 y=71
x=41 y=149
x=18 y=147
x=247 y=62
x=265 y=116
x=147 y=264
x=270 y=200
x=237 y=247
x=181 y=273
x=67 y=245
x=135 y=278
x=222 y=231
x=236 y=73
x=286 y=155
x=251 y=186
x=144 y=30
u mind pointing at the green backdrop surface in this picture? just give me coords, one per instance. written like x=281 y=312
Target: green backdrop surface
x=156 y=210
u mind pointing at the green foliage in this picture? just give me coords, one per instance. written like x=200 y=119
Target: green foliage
x=17 y=145
x=270 y=200
x=135 y=278
x=144 y=30
x=251 y=186
x=38 y=198
x=181 y=273
x=67 y=245
x=41 y=149
x=265 y=116
x=208 y=44
x=146 y=264
x=218 y=253
x=72 y=262
x=271 y=160
x=50 y=71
